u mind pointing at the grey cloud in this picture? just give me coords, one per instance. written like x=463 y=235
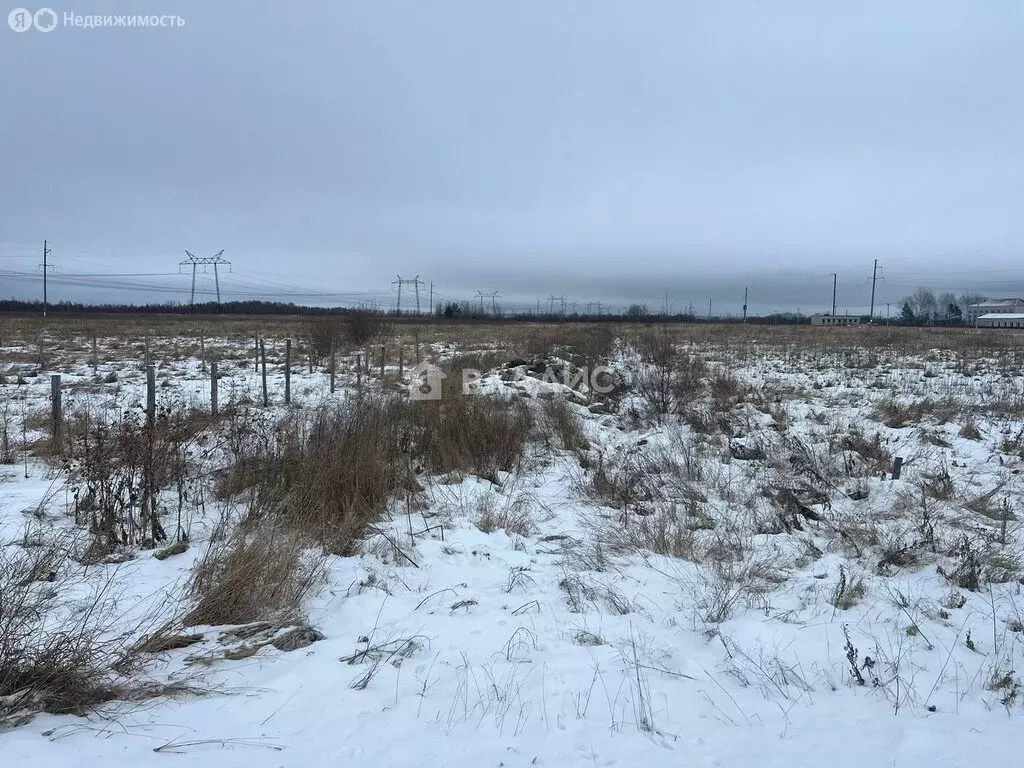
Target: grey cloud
x=608 y=149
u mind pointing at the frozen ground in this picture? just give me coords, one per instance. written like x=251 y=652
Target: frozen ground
x=738 y=581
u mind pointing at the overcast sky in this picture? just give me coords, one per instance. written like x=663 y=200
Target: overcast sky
x=605 y=150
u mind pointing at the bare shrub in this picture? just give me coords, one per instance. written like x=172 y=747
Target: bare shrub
x=726 y=390
x=655 y=379
x=666 y=531
x=324 y=333
x=57 y=660
x=482 y=435
x=670 y=381
x=116 y=470
x=7 y=427
x=364 y=326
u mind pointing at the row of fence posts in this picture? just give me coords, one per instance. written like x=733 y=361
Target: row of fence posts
x=363 y=365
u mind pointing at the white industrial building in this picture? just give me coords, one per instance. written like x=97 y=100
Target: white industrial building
x=993 y=307
x=835 y=319
x=1001 y=320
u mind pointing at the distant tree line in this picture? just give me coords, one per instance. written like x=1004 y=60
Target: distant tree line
x=253 y=307
x=924 y=307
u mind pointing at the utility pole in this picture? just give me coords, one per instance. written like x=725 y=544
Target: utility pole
x=46 y=268
x=494 y=302
x=745 y=293
x=194 y=262
x=874 y=279
x=835 y=279
x=431 y=297
x=709 y=309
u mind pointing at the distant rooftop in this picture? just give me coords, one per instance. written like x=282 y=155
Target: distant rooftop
x=1003 y=316
x=999 y=303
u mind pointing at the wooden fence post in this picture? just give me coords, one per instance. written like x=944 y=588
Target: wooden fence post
x=202 y=353
x=213 y=387
x=95 y=356
x=383 y=351
x=897 y=467
x=288 y=372
x=256 y=360
x=416 y=336
x=359 y=370
x=57 y=415
x=150 y=394
x=401 y=362
x=263 y=355
x=334 y=365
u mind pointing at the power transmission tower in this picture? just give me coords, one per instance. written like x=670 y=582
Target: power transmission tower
x=835 y=279
x=494 y=302
x=204 y=261
x=553 y=299
x=46 y=267
x=431 y=297
x=874 y=279
x=415 y=283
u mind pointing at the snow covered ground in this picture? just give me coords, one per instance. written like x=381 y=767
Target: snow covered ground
x=738 y=581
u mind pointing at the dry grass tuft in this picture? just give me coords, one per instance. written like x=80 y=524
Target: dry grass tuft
x=504 y=513
x=262 y=571
x=562 y=420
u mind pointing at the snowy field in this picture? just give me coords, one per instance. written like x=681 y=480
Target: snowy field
x=710 y=564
